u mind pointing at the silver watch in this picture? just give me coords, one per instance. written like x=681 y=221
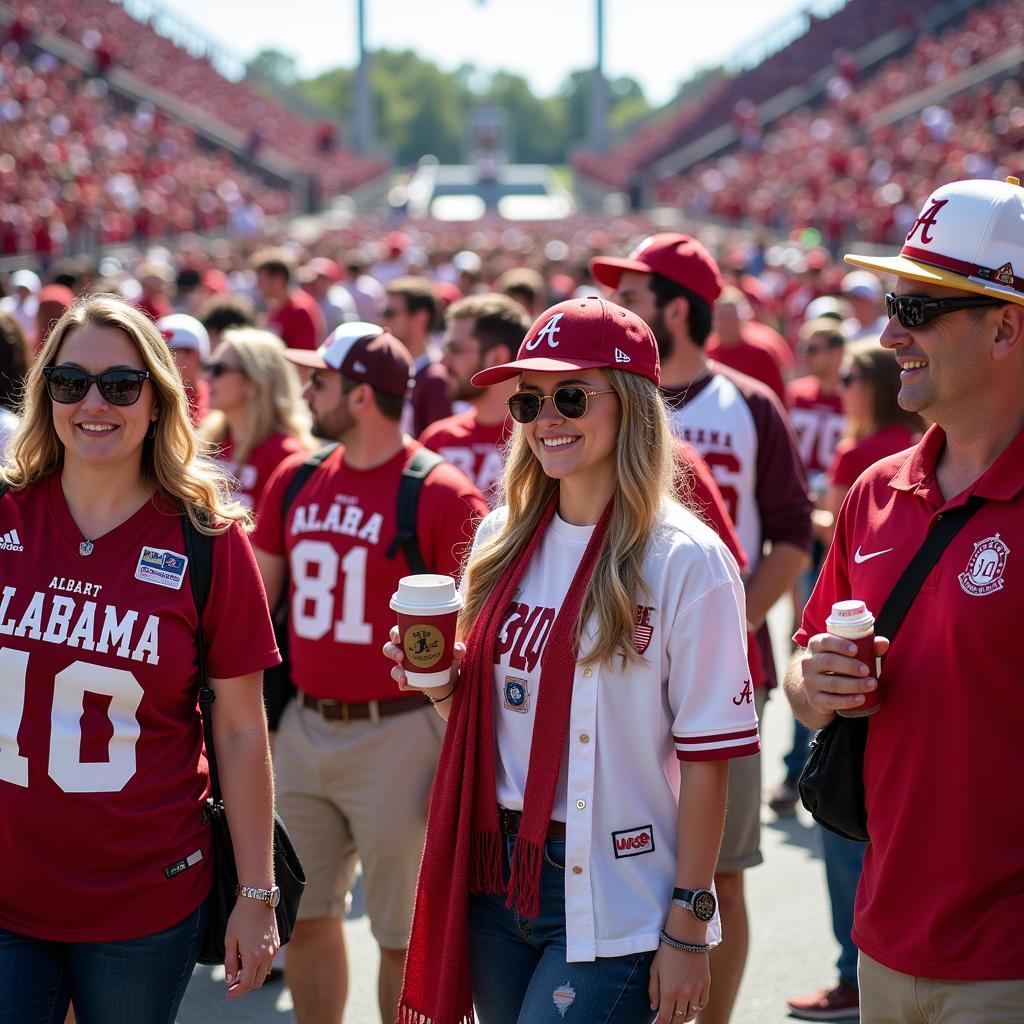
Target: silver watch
x=271 y=896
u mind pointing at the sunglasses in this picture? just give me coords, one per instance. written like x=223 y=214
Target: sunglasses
x=848 y=378
x=813 y=350
x=218 y=369
x=914 y=311
x=570 y=403
x=70 y=384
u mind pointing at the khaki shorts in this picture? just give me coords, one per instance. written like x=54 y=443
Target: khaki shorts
x=358 y=790
x=741 y=838
x=889 y=997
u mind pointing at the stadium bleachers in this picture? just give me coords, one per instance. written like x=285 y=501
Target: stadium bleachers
x=117 y=40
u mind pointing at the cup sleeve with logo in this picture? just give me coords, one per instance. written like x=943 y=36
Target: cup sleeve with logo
x=710 y=693
x=236 y=622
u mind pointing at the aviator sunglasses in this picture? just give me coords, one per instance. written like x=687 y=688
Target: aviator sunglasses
x=570 y=403
x=914 y=311
x=70 y=384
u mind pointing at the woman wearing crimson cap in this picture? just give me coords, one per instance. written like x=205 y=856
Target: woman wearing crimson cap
x=600 y=688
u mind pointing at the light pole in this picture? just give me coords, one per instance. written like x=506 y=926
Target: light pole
x=599 y=89
x=366 y=141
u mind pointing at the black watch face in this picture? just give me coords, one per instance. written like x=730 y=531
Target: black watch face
x=704 y=905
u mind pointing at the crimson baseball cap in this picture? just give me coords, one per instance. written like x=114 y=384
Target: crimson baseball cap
x=969 y=235
x=582 y=334
x=680 y=258
x=362 y=352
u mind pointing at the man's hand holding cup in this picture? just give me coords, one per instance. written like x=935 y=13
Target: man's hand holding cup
x=834 y=678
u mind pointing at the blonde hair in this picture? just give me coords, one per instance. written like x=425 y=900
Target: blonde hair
x=644 y=469
x=173 y=458
x=274 y=403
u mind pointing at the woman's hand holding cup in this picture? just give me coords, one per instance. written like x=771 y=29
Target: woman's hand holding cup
x=393 y=650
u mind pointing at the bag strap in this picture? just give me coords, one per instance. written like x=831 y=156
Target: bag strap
x=199 y=551
x=903 y=593
x=420 y=466
x=302 y=474
x=4 y=488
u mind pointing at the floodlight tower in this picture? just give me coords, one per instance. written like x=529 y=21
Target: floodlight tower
x=366 y=142
x=599 y=89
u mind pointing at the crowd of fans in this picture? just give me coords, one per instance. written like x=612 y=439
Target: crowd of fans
x=80 y=169
x=845 y=170
x=116 y=39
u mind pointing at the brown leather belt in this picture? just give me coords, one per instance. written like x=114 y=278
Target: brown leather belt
x=373 y=710
x=508 y=822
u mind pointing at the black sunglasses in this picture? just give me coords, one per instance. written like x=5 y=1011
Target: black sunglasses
x=847 y=378
x=914 y=311
x=570 y=402
x=218 y=369
x=70 y=384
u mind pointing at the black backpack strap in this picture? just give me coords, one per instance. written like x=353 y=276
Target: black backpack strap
x=304 y=472
x=199 y=551
x=4 y=488
x=903 y=593
x=420 y=466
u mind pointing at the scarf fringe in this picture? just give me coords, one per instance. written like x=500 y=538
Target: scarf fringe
x=407 y=1015
x=485 y=862
x=524 y=880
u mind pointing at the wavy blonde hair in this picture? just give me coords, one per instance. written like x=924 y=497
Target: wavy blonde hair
x=174 y=460
x=274 y=403
x=645 y=478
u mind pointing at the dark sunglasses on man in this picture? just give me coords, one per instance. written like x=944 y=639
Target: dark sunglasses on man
x=118 y=386
x=570 y=402
x=915 y=311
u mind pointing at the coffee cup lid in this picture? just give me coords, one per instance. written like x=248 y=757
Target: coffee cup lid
x=426 y=592
x=849 y=612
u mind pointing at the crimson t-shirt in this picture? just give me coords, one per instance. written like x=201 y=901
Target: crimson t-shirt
x=478 y=449
x=942 y=891
x=818 y=422
x=251 y=477
x=102 y=771
x=749 y=358
x=299 y=321
x=853 y=457
x=336 y=538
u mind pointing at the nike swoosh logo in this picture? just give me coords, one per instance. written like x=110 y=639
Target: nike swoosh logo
x=858 y=557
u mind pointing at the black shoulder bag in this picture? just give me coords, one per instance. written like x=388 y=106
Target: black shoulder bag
x=278 y=687
x=288 y=873
x=832 y=781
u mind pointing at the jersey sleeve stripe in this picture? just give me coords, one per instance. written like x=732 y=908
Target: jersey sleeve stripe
x=716 y=737
x=719 y=753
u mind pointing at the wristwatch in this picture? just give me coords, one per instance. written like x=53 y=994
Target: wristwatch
x=699 y=902
x=271 y=896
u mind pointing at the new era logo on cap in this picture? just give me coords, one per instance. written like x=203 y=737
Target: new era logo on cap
x=621 y=357
x=968 y=236
x=10 y=541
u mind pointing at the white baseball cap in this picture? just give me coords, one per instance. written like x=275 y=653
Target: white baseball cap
x=183 y=331
x=27 y=279
x=969 y=235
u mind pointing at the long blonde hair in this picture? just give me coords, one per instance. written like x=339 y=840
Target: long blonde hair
x=644 y=468
x=274 y=403
x=173 y=459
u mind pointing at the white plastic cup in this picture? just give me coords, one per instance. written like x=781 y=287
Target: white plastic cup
x=851 y=620
x=428 y=607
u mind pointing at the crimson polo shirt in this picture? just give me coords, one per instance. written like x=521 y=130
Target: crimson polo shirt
x=942 y=892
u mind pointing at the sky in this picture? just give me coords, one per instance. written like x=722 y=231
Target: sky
x=658 y=42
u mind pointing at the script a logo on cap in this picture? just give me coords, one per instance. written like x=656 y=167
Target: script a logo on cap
x=927 y=220
x=548 y=331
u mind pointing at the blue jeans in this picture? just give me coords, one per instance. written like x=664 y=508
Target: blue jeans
x=844 y=859
x=133 y=981
x=797 y=756
x=520 y=973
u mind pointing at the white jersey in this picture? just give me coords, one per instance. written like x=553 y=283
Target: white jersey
x=629 y=726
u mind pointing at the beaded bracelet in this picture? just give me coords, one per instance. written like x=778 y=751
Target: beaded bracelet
x=440 y=700
x=686 y=947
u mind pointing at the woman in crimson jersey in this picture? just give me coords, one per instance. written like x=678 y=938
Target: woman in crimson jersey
x=578 y=807
x=106 y=856
x=258 y=417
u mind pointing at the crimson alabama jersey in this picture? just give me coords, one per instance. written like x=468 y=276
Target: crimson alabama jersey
x=102 y=773
x=336 y=539
x=252 y=475
x=818 y=422
x=478 y=449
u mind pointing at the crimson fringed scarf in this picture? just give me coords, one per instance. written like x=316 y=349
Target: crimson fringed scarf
x=462 y=851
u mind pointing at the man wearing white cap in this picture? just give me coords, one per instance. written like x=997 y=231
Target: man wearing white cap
x=189 y=343
x=354 y=758
x=23 y=301
x=863 y=291
x=940 y=904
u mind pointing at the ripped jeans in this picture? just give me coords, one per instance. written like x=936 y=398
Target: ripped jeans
x=520 y=974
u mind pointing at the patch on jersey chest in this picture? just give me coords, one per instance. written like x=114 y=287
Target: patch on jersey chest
x=162 y=567
x=517 y=694
x=642 y=629
x=984 y=572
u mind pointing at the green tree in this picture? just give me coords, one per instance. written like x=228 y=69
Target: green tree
x=274 y=66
